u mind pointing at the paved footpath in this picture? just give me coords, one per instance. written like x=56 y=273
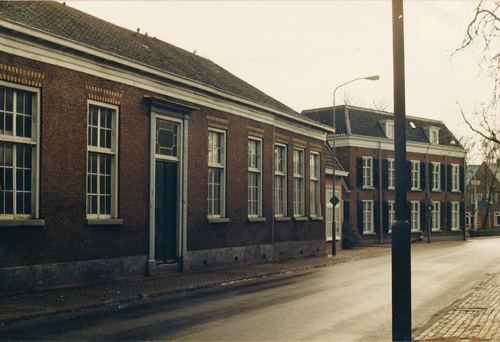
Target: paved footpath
x=474 y=317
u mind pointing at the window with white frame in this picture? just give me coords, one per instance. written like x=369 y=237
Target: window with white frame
x=329 y=215
x=415 y=175
x=314 y=163
x=436 y=215
x=415 y=216
x=102 y=161
x=436 y=176
x=434 y=136
x=391 y=184
x=497 y=219
x=280 y=167
x=338 y=218
x=455 y=177
x=391 y=214
x=368 y=224
x=254 y=177
x=298 y=182
x=455 y=215
x=367 y=172
x=389 y=129
x=18 y=151
x=216 y=172
x=468 y=220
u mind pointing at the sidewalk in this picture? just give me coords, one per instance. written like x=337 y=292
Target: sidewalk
x=474 y=317
x=25 y=305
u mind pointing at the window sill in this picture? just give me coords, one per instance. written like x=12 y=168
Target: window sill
x=22 y=223
x=415 y=189
x=316 y=218
x=415 y=231
x=391 y=188
x=104 y=222
x=437 y=190
x=456 y=191
x=456 y=229
x=281 y=219
x=365 y=187
x=218 y=219
x=256 y=219
x=368 y=233
x=300 y=218
x=436 y=231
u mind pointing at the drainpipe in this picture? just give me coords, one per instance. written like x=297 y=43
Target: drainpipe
x=380 y=186
x=273 y=189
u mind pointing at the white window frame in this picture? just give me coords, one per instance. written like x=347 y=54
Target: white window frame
x=455 y=177
x=455 y=216
x=415 y=175
x=33 y=142
x=391 y=181
x=329 y=215
x=391 y=214
x=368 y=222
x=436 y=216
x=436 y=176
x=434 y=136
x=298 y=183
x=496 y=221
x=315 y=176
x=101 y=151
x=368 y=172
x=468 y=219
x=255 y=170
x=338 y=217
x=390 y=130
x=280 y=177
x=415 y=216
x=219 y=166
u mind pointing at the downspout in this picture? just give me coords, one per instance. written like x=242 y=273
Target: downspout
x=273 y=189
x=464 y=196
x=380 y=186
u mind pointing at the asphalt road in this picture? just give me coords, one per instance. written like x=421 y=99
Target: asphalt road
x=344 y=302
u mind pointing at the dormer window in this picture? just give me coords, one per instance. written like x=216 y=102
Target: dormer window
x=432 y=134
x=388 y=127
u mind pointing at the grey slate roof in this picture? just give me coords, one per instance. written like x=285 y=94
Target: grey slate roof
x=364 y=121
x=63 y=21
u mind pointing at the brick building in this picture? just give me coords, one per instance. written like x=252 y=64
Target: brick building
x=122 y=155
x=482 y=201
x=365 y=147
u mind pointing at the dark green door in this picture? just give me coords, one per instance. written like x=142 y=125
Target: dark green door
x=166 y=212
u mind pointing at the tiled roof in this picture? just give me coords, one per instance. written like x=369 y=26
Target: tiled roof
x=364 y=121
x=66 y=22
x=470 y=171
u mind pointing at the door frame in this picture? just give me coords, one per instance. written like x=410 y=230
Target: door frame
x=179 y=114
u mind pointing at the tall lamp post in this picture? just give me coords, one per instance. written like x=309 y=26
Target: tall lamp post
x=334 y=200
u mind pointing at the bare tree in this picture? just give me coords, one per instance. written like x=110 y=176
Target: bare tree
x=483 y=34
x=380 y=105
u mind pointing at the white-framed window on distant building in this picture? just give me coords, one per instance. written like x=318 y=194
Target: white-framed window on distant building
x=368 y=223
x=315 y=193
x=298 y=182
x=391 y=208
x=19 y=151
x=102 y=161
x=280 y=173
x=436 y=176
x=367 y=172
x=216 y=173
x=415 y=175
x=391 y=174
x=436 y=216
x=254 y=177
x=415 y=216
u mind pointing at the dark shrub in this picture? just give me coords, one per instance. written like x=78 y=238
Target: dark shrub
x=350 y=236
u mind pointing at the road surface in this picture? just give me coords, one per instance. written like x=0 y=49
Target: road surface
x=344 y=302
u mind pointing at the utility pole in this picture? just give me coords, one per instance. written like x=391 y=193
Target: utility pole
x=401 y=252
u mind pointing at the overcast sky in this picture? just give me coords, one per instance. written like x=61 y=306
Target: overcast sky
x=298 y=52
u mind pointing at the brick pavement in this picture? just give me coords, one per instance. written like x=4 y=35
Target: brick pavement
x=474 y=317
x=25 y=305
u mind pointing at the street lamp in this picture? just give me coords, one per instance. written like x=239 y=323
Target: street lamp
x=369 y=78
